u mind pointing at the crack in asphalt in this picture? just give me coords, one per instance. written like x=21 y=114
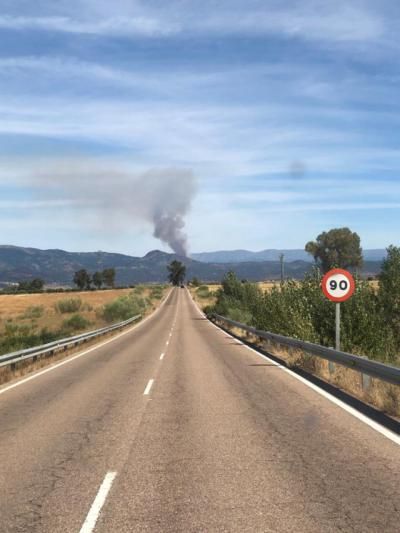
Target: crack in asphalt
x=30 y=519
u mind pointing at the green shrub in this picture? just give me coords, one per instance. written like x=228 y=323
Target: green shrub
x=202 y=291
x=138 y=290
x=75 y=323
x=68 y=305
x=21 y=337
x=123 y=308
x=34 y=311
x=156 y=292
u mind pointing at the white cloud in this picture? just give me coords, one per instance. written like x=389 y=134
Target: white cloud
x=139 y=26
x=311 y=20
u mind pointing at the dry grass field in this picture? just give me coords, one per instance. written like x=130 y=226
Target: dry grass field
x=38 y=311
x=24 y=317
x=41 y=308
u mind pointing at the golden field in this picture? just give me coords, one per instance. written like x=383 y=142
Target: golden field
x=39 y=310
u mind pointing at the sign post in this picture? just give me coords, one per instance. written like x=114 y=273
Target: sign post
x=337 y=333
x=338 y=286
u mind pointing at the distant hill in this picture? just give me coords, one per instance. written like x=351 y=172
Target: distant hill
x=58 y=266
x=240 y=256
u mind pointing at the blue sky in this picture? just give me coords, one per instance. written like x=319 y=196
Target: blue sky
x=287 y=114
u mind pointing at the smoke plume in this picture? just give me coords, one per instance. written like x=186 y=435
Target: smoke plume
x=160 y=197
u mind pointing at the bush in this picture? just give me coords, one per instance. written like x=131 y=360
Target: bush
x=123 y=308
x=75 y=323
x=34 y=311
x=139 y=289
x=202 y=291
x=156 y=292
x=69 y=305
x=20 y=337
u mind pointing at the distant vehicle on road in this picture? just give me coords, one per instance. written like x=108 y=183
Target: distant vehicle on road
x=182 y=286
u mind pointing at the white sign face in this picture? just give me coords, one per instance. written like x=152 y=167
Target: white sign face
x=338 y=285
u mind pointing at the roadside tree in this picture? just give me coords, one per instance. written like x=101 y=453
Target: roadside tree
x=177 y=272
x=337 y=248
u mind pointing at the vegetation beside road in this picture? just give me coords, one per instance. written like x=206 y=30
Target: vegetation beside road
x=370 y=325
x=370 y=319
x=32 y=319
x=300 y=310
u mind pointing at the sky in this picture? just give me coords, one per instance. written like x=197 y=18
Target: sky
x=279 y=120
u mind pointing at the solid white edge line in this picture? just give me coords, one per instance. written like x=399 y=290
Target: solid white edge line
x=80 y=354
x=148 y=387
x=351 y=410
x=91 y=519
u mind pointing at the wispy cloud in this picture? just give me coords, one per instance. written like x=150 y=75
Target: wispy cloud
x=287 y=112
x=122 y=26
x=311 y=20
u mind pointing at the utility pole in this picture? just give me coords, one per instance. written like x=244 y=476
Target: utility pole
x=282 y=260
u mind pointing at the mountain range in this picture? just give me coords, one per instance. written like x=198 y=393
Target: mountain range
x=58 y=266
x=240 y=256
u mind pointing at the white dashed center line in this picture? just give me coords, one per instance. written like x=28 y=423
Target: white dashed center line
x=91 y=519
x=148 y=387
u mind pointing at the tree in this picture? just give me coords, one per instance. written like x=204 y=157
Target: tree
x=23 y=286
x=389 y=288
x=37 y=284
x=34 y=285
x=109 y=276
x=97 y=279
x=82 y=279
x=195 y=282
x=337 y=248
x=177 y=272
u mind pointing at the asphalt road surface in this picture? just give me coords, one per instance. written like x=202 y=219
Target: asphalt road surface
x=174 y=426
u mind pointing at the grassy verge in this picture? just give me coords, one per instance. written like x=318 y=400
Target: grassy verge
x=377 y=393
x=204 y=295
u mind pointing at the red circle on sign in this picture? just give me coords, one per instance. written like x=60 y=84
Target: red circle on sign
x=338 y=272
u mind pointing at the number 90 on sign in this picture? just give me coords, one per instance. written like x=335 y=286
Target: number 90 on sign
x=338 y=285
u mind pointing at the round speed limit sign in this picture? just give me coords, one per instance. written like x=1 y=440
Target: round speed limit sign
x=338 y=285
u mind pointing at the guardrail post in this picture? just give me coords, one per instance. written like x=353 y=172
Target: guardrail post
x=365 y=378
x=331 y=364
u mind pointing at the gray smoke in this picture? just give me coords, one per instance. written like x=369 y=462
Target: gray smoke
x=118 y=197
x=169 y=228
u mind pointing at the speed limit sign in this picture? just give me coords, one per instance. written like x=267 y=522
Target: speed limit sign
x=338 y=285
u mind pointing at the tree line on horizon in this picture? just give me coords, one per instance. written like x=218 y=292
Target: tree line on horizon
x=84 y=280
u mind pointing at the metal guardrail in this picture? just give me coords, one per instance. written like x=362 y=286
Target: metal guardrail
x=388 y=373
x=32 y=353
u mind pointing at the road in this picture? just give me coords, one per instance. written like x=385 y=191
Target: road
x=175 y=426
